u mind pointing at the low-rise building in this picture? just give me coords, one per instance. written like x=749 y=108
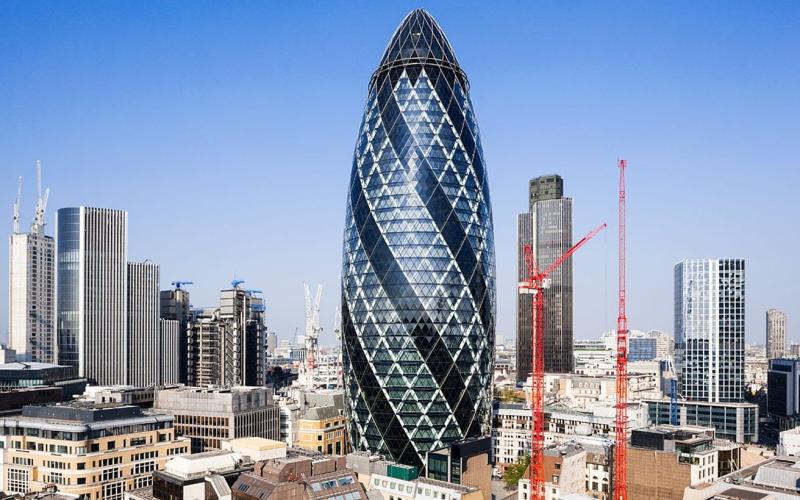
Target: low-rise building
x=210 y=415
x=466 y=463
x=403 y=483
x=564 y=473
x=322 y=429
x=664 y=460
x=789 y=442
x=86 y=450
x=206 y=475
x=29 y=382
x=737 y=422
x=511 y=434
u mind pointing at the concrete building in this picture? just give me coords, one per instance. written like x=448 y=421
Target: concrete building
x=564 y=472
x=776 y=334
x=169 y=362
x=31 y=295
x=547 y=227
x=322 y=429
x=511 y=434
x=789 y=442
x=709 y=329
x=663 y=461
x=227 y=344
x=89 y=451
x=32 y=382
x=210 y=415
x=144 y=335
x=92 y=292
x=175 y=305
x=774 y=478
x=737 y=422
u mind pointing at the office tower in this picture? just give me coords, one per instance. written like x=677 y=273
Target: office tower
x=227 y=344
x=418 y=278
x=547 y=227
x=31 y=292
x=175 y=305
x=272 y=343
x=144 y=336
x=783 y=391
x=709 y=329
x=168 y=362
x=776 y=334
x=92 y=292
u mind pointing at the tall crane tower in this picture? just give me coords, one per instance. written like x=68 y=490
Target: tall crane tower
x=621 y=450
x=535 y=284
x=16 y=206
x=37 y=226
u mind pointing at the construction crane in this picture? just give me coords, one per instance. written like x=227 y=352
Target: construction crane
x=621 y=421
x=37 y=226
x=312 y=334
x=16 y=206
x=535 y=284
x=178 y=283
x=235 y=283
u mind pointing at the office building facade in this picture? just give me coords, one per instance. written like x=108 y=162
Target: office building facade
x=418 y=278
x=92 y=292
x=547 y=228
x=776 y=334
x=144 y=330
x=709 y=329
x=168 y=357
x=227 y=344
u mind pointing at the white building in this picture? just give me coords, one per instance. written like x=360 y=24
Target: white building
x=511 y=435
x=789 y=442
x=31 y=296
x=144 y=336
x=564 y=472
x=422 y=488
x=776 y=334
x=709 y=329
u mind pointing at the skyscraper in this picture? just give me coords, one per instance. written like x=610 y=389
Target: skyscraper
x=547 y=227
x=31 y=281
x=31 y=296
x=418 y=279
x=144 y=332
x=776 y=334
x=709 y=329
x=92 y=292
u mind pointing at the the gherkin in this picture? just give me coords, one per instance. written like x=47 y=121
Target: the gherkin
x=418 y=278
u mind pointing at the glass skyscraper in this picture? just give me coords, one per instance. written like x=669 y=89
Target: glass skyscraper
x=418 y=279
x=709 y=329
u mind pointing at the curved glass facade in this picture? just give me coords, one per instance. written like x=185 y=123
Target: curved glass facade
x=418 y=279
x=68 y=236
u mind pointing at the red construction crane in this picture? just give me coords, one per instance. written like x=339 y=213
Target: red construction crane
x=535 y=284
x=620 y=450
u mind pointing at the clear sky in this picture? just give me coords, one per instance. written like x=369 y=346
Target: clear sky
x=226 y=129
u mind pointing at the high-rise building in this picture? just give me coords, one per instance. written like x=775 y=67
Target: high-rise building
x=227 y=344
x=776 y=334
x=169 y=362
x=144 y=330
x=418 y=279
x=31 y=292
x=709 y=329
x=547 y=227
x=31 y=298
x=92 y=292
x=175 y=305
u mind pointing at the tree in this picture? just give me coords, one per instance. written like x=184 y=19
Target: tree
x=514 y=472
x=510 y=396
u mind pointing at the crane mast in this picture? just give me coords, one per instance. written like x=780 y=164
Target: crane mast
x=535 y=284
x=16 y=206
x=621 y=421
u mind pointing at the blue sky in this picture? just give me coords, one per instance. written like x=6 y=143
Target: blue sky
x=226 y=129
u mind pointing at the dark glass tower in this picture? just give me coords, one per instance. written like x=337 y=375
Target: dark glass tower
x=418 y=279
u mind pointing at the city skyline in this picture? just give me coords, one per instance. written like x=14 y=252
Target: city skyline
x=126 y=125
